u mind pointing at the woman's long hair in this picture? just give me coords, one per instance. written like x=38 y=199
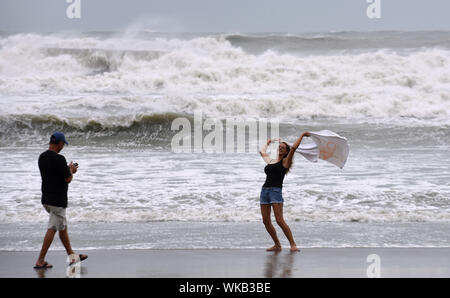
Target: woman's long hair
x=288 y=149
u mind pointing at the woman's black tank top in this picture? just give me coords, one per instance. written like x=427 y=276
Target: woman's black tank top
x=275 y=174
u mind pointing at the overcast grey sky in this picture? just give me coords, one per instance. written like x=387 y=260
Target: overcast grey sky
x=224 y=16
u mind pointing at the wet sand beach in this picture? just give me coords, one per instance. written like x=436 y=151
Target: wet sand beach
x=235 y=263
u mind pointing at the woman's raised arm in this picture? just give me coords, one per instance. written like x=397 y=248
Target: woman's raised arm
x=288 y=160
x=263 y=150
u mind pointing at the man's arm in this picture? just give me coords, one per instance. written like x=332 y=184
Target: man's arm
x=72 y=170
x=68 y=180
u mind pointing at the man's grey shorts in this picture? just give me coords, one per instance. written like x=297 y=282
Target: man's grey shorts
x=57 y=219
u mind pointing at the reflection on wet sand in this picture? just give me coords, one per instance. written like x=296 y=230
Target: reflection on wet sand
x=72 y=271
x=279 y=265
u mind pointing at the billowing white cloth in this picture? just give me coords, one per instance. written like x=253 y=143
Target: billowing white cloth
x=328 y=146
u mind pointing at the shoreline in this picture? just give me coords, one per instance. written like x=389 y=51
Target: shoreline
x=222 y=235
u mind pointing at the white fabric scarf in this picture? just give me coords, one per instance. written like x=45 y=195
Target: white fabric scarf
x=328 y=146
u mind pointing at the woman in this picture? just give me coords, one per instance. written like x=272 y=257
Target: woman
x=271 y=191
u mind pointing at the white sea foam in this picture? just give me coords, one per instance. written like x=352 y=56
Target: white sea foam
x=133 y=186
x=209 y=73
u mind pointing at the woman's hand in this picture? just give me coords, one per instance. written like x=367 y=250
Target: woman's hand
x=297 y=143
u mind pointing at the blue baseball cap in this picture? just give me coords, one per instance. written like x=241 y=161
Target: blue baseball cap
x=58 y=137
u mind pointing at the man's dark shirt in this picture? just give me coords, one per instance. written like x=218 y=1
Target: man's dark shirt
x=54 y=172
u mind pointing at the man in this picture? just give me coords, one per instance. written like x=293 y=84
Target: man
x=56 y=176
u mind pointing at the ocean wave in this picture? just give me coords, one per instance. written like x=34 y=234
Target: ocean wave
x=101 y=60
x=274 y=38
x=223 y=214
x=343 y=41
x=152 y=128
x=212 y=74
x=156 y=128
x=186 y=203
x=86 y=124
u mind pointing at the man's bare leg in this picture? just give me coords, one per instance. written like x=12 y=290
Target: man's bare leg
x=48 y=239
x=64 y=236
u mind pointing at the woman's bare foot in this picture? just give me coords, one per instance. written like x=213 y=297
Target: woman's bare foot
x=274 y=248
x=294 y=248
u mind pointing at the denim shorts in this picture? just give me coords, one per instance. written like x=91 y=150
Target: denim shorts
x=270 y=195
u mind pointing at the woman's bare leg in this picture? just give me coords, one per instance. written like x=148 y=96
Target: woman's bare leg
x=265 y=212
x=278 y=211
